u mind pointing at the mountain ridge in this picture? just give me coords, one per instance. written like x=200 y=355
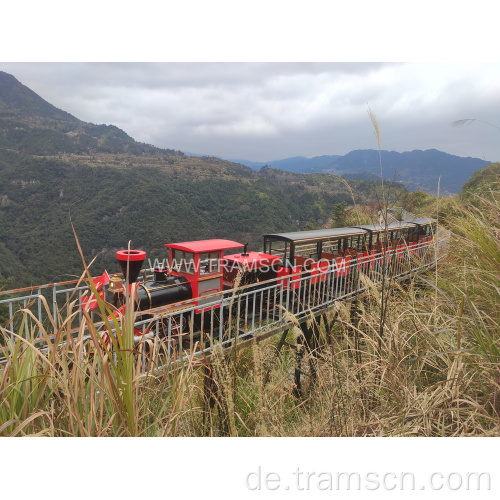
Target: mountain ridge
x=418 y=169
x=29 y=124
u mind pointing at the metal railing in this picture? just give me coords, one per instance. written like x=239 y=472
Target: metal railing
x=225 y=318
x=57 y=296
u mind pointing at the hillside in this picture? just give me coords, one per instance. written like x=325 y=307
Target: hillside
x=113 y=199
x=53 y=166
x=482 y=183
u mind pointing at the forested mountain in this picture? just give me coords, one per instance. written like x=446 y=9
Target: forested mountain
x=54 y=166
x=416 y=169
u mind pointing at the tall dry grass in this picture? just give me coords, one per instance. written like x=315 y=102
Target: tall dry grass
x=433 y=372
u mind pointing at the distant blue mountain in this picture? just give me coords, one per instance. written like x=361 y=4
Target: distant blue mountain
x=254 y=165
x=296 y=164
x=417 y=169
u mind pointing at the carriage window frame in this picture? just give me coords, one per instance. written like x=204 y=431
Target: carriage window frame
x=183 y=262
x=210 y=263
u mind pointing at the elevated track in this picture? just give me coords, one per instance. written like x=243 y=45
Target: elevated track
x=230 y=317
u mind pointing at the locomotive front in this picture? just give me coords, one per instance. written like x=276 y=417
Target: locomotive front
x=163 y=290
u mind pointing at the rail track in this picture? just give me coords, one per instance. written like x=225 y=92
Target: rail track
x=232 y=317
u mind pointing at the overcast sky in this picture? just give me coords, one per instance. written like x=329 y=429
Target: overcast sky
x=265 y=111
x=270 y=111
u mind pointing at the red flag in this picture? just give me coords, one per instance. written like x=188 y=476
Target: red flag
x=99 y=284
x=101 y=280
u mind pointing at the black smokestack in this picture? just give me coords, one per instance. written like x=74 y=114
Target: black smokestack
x=135 y=259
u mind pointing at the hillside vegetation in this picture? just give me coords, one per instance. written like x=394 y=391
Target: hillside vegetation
x=482 y=183
x=116 y=198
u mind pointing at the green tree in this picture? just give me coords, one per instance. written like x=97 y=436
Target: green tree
x=339 y=217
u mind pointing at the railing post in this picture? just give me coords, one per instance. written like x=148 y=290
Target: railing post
x=54 y=306
x=11 y=313
x=288 y=287
x=25 y=320
x=221 y=326
x=280 y=311
x=39 y=300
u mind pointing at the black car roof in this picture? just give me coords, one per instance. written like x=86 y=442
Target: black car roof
x=316 y=234
x=390 y=227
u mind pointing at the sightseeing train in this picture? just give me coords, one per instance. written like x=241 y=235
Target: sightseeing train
x=199 y=270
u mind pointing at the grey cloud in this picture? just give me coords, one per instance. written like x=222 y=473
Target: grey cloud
x=267 y=111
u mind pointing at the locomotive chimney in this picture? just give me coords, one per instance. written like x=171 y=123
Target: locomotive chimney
x=160 y=273
x=135 y=259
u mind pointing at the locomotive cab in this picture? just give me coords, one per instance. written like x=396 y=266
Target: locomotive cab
x=200 y=262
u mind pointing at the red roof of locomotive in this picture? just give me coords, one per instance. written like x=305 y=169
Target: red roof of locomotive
x=205 y=245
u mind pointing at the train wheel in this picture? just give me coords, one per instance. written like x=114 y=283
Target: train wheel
x=159 y=328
